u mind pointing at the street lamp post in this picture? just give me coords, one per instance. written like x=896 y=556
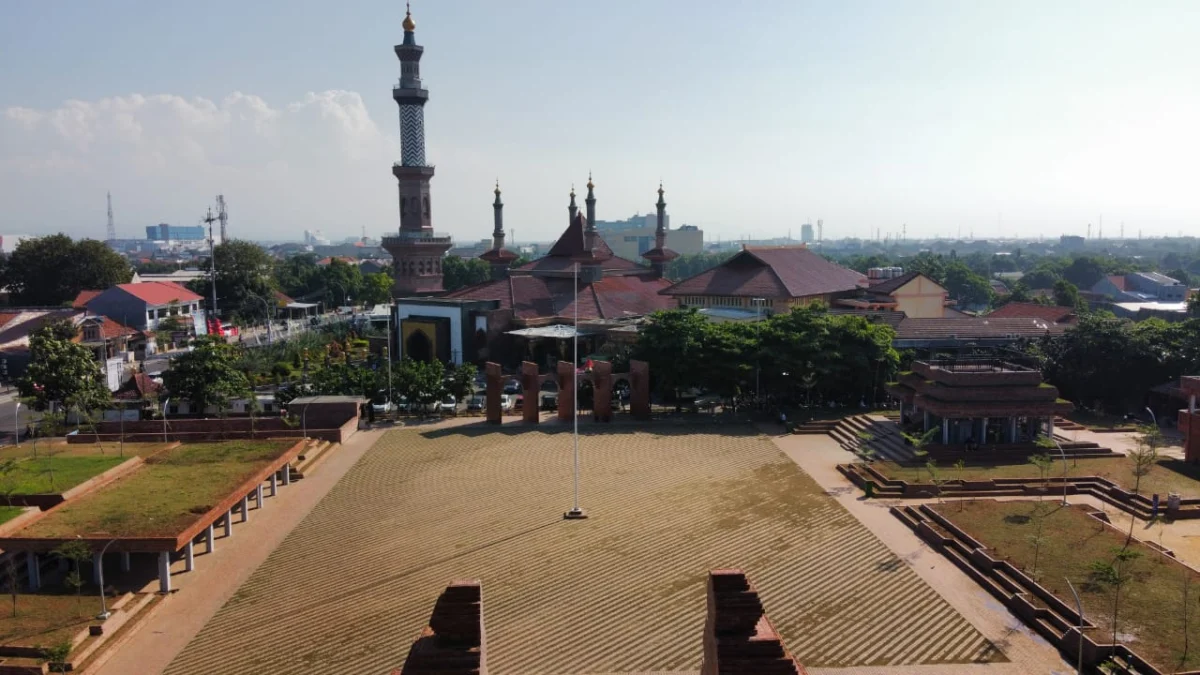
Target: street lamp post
x=1152 y=416
x=104 y=613
x=1079 y=609
x=165 y=418
x=575 y=512
x=17 y=424
x=267 y=314
x=758 y=304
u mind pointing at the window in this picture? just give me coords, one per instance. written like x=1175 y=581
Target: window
x=174 y=409
x=150 y=315
x=91 y=333
x=187 y=309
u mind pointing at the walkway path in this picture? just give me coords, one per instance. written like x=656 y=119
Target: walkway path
x=1029 y=654
x=216 y=577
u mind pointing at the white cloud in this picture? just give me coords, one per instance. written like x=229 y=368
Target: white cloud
x=317 y=162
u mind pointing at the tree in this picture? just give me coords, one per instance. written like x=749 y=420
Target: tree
x=461 y=381
x=1040 y=509
x=62 y=372
x=57 y=655
x=244 y=274
x=1041 y=277
x=420 y=382
x=960 y=468
x=967 y=287
x=341 y=282
x=918 y=443
x=1084 y=271
x=1115 y=573
x=76 y=552
x=376 y=289
x=935 y=477
x=208 y=375
x=1067 y=295
x=298 y=275
x=1193 y=306
x=672 y=343
x=1044 y=463
x=1019 y=292
x=53 y=270
x=462 y=272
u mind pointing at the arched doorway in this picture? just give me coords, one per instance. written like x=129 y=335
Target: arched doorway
x=418 y=346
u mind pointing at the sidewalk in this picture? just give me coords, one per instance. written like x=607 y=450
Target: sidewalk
x=1029 y=654
x=203 y=591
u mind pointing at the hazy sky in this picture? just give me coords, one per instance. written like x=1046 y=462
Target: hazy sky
x=1021 y=118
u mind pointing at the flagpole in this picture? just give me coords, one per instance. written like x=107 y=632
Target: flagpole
x=576 y=512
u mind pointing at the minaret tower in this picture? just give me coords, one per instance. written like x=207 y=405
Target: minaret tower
x=660 y=255
x=572 y=209
x=417 y=251
x=499 y=258
x=589 y=259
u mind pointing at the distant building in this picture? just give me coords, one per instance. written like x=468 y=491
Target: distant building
x=1051 y=314
x=915 y=294
x=1141 y=287
x=166 y=232
x=1071 y=242
x=806 y=233
x=9 y=242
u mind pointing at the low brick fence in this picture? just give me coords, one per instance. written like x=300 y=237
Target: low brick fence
x=1101 y=488
x=336 y=430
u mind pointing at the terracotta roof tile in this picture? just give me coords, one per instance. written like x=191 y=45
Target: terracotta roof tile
x=783 y=271
x=1118 y=281
x=532 y=297
x=1030 y=310
x=83 y=298
x=976 y=327
x=159 y=292
x=889 y=286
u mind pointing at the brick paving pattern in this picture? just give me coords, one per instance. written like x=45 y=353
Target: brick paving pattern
x=621 y=592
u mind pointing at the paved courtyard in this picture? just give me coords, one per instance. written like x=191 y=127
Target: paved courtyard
x=623 y=591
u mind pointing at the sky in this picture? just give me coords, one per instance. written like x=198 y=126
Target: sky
x=997 y=118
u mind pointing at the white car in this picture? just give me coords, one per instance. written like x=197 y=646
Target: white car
x=449 y=404
x=383 y=408
x=507 y=401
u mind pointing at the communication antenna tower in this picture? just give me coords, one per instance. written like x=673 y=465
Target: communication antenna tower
x=209 y=218
x=223 y=216
x=112 y=229
x=820 y=230
x=904 y=232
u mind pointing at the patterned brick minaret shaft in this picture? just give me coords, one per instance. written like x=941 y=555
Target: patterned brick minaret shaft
x=417 y=252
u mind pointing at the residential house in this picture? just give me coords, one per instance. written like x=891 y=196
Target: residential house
x=913 y=293
x=146 y=306
x=1141 y=287
x=1032 y=310
x=114 y=345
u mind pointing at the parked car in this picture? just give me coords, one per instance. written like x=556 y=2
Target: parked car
x=383 y=407
x=449 y=404
x=549 y=400
x=507 y=401
x=475 y=403
x=519 y=402
x=512 y=387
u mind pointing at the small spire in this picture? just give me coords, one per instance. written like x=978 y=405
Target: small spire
x=589 y=185
x=572 y=190
x=409 y=24
x=497 y=187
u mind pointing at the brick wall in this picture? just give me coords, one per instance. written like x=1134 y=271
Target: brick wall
x=454 y=642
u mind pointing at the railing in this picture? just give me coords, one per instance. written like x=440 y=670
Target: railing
x=417 y=238
x=978 y=363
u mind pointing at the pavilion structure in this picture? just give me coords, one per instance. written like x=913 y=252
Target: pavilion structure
x=984 y=400
x=1189 y=419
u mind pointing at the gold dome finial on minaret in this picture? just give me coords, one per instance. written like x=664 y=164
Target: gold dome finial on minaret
x=572 y=190
x=589 y=185
x=497 y=186
x=409 y=24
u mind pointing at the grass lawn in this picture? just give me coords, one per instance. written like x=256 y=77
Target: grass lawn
x=163 y=496
x=61 y=448
x=46 y=475
x=1091 y=419
x=44 y=619
x=7 y=513
x=1168 y=475
x=1151 y=602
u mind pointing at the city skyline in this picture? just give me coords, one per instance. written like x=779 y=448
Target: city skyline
x=1002 y=120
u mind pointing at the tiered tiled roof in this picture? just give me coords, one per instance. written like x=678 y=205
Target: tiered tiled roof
x=772 y=272
x=543 y=291
x=159 y=292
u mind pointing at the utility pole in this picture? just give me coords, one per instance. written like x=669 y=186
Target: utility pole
x=112 y=229
x=212 y=259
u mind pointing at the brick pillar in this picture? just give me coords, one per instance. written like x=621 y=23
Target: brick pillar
x=454 y=641
x=639 y=389
x=533 y=393
x=566 y=391
x=738 y=635
x=1189 y=424
x=494 y=386
x=602 y=384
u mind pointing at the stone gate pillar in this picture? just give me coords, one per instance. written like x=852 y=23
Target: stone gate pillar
x=639 y=389
x=566 y=390
x=533 y=392
x=494 y=376
x=602 y=385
